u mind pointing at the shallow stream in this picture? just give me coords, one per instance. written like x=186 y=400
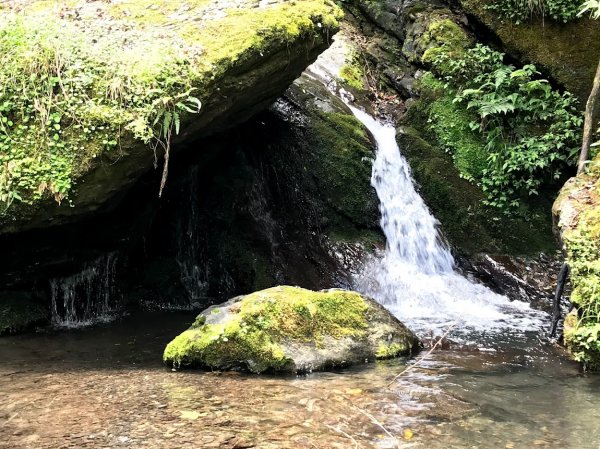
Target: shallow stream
x=104 y=387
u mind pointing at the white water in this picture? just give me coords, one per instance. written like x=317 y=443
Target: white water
x=415 y=277
x=87 y=297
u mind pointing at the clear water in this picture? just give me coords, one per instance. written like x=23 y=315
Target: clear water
x=415 y=276
x=104 y=387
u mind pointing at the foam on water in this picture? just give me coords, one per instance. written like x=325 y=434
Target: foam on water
x=415 y=277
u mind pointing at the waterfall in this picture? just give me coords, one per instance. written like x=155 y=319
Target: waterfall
x=415 y=276
x=87 y=297
x=194 y=272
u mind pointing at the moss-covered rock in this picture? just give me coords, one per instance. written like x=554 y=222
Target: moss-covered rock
x=577 y=217
x=20 y=311
x=90 y=88
x=457 y=202
x=290 y=329
x=568 y=52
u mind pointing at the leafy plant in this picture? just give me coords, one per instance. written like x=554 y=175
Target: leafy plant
x=167 y=121
x=519 y=11
x=530 y=131
x=592 y=7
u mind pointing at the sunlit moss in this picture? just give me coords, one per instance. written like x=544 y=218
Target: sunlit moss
x=81 y=81
x=252 y=338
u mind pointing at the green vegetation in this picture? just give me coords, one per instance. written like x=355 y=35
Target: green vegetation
x=262 y=321
x=527 y=132
x=343 y=170
x=389 y=351
x=579 y=201
x=86 y=81
x=519 y=11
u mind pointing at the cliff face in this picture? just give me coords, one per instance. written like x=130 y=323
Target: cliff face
x=96 y=93
x=567 y=52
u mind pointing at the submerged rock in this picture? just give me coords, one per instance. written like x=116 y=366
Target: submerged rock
x=290 y=329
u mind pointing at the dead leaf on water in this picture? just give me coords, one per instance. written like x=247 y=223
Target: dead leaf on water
x=354 y=391
x=189 y=414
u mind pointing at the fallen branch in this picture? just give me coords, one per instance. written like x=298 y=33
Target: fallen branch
x=419 y=361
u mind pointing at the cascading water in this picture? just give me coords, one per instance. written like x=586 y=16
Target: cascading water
x=87 y=297
x=194 y=272
x=415 y=277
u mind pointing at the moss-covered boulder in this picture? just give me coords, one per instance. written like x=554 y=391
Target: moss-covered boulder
x=20 y=311
x=577 y=218
x=95 y=93
x=289 y=329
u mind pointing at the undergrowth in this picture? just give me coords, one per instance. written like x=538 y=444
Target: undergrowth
x=84 y=82
x=527 y=131
x=519 y=11
x=65 y=100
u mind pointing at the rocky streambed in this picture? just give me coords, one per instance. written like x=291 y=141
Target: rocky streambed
x=105 y=387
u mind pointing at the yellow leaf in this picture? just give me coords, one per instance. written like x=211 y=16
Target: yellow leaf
x=354 y=391
x=407 y=434
x=188 y=414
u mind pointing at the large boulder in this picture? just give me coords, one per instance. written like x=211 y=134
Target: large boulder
x=290 y=329
x=90 y=89
x=577 y=219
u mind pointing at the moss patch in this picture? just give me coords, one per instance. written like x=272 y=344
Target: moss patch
x=80 y=80
x=579 y=209
x=344 y=169
x=389 y=351
x=262 y=321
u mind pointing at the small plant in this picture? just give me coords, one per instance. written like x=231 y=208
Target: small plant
x=167 y=120
x=530 y=131
x=519 y=11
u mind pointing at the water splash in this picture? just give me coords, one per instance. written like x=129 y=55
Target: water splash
x=87 y=297
x=415 y=276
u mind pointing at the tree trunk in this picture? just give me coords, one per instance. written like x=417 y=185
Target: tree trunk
x=588 y=124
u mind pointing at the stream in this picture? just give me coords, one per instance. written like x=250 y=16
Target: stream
x=104 y=387
x=497 y=386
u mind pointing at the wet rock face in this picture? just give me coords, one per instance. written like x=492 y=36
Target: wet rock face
x=529 y=279
x=276 y=201
x=288 y=329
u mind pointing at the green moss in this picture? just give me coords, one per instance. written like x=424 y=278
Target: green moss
x=582 y=242
x=353 y=76
x=443 y=36
x=265 y=319
x=389 y=351
x=450 y=122
x=344 y=169
x=84 y=82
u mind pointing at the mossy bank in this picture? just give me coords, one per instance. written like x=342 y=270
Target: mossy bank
x=289 y=329
x=577 y=215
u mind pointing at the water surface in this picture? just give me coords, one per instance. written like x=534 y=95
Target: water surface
x=104 y=387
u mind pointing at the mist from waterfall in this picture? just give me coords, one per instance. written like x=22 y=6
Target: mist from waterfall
x=415 y=277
